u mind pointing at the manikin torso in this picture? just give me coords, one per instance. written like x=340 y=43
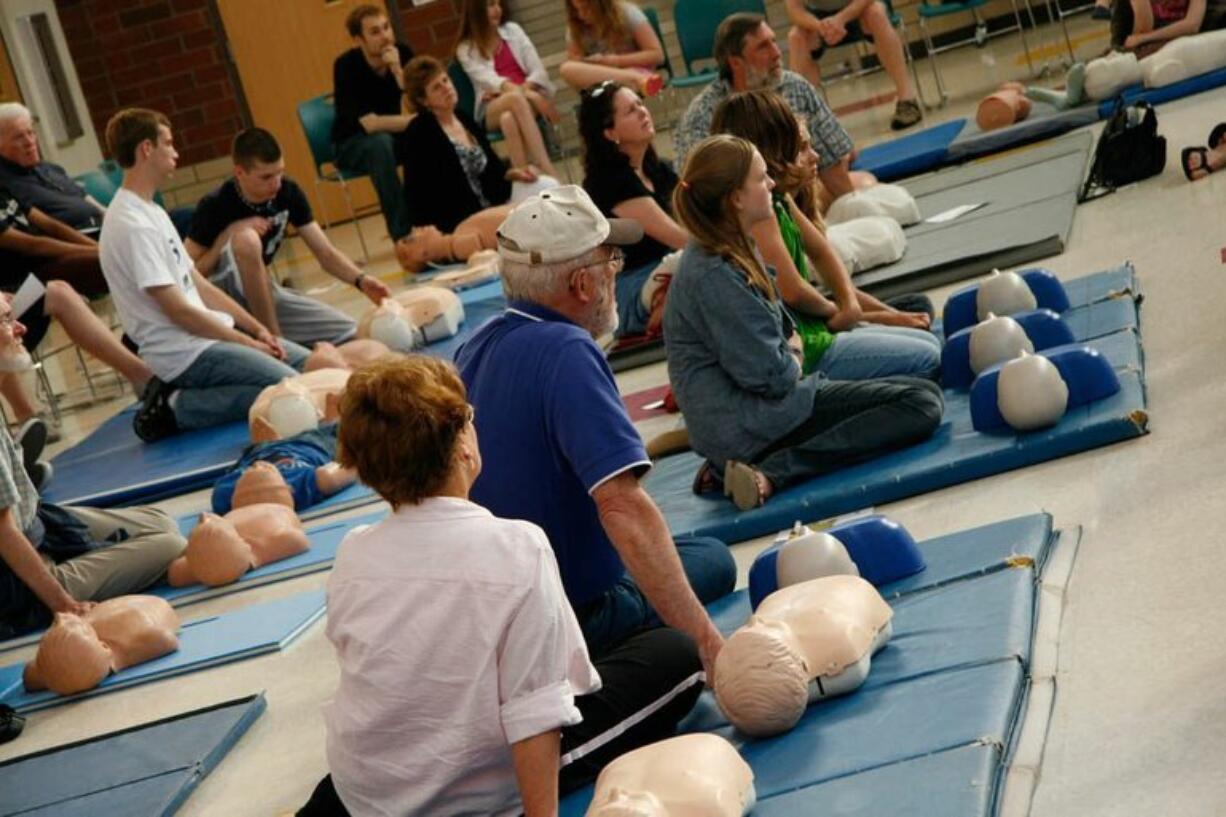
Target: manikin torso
x=805 y=641
x=351 y=355
x=697 y=775
x=482 y=266
x=296 y=404
x=403 y=321
x=78 y=652
x=261 y=483
x=221 y=549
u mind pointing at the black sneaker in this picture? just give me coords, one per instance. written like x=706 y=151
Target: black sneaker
x=40 y=474
x=11 y=723
x=155 y=420
x=906 y=113
x=31 y=438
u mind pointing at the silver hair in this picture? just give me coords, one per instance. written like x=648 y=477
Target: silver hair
x=542 y=283
x=11 y=111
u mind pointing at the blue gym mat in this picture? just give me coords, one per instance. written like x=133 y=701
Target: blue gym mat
x=954 y=454
x=145 y=771
x=203 y=643
x=1045 y=122
x=911 y=154
x=934 y=721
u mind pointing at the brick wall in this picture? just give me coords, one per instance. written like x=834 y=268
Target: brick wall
x=161 y=54
x=432 y=28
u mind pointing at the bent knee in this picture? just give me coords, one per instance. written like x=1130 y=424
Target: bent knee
x=59 y=294
x=506 y=122
x=245 y=241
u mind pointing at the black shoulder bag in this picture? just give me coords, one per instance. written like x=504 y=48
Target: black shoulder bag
x=1128 y=150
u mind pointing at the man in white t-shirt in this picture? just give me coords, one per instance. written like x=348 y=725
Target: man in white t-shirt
x=209 y=356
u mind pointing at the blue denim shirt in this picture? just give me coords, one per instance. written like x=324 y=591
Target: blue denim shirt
x=728 y=360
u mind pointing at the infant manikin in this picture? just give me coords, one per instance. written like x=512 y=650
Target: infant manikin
x=414 y=317
x=697 y=775
x=805 y=642
x=297 y=404
x=1006 y=106
x=351 y=355
x=220 y=549
x=889 y=200
x=78 y=652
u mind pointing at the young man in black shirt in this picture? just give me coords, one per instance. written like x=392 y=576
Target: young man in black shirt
x=368 y=87
x=238 y=228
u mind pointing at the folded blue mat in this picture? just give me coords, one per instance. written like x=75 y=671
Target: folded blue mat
x=203 y=643
x=147 y=770
x=1168 y=93
x=911 y=154
x=955 y=453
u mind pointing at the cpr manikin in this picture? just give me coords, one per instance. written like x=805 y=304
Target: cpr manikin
x=1031 y=393
x=889 y=200
x=1005 y=106
x=78 y=652
x=697 y=775
x=261 y=484
x=1003 y=293
x=409 y=319
x=995 y=340
x=868 y=242
x=481 y=267
x=804 y=642
x=353 y=354
x=220 y=549
x=297 y=404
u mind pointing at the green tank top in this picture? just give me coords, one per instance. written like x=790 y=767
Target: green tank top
x=813 y=332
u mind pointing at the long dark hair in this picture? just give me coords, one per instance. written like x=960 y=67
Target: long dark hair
x=595 y=117
x=475 y=26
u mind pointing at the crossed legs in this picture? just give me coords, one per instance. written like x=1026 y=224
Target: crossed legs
x=514 y=115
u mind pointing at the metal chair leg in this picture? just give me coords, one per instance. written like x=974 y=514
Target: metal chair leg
x=354 y=216
x=930 y=52
x=1021 y=30
x=906 y=50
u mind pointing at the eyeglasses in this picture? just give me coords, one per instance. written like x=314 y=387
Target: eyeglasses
x=616 y=261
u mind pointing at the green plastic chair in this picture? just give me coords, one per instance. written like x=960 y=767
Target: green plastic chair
x=930 y=9
x=316 y=116
x=696 y=22
x=99 y=185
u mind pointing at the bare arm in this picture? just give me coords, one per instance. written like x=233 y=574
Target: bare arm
x=649 y=55
x=214 y=298
x=206 y=258
x=799 y=16
x=656 y=223
x=332 y=477
x=796 y=291
x=35 y=246
x=830 y=268
x=21 y=557
x=1190 y=24
x=57 y=229
x=640 y=536
x=536 y=762
x=194 y=320
x=338 y=265
x=384 y=123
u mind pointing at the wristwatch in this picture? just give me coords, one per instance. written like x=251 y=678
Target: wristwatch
x=357 y=282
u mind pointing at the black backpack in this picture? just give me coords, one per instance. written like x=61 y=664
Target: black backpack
x=1129 y=150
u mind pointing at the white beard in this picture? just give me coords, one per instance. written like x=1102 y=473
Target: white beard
x=16 y=359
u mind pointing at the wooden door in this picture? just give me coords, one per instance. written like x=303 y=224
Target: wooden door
x=9 y=90
x=284 y=50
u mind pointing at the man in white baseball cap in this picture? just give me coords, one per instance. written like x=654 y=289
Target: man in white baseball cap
x=559 y=450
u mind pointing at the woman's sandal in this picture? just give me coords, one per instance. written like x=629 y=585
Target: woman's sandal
x=1185 y=158
x=705 y=481
x=746 y=485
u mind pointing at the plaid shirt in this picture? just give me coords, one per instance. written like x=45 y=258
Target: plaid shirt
x=829 y=139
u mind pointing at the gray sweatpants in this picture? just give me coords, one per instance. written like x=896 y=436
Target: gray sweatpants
x=137 y=561
x=303 y=319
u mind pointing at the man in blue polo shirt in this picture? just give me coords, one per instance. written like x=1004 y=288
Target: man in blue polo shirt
x=557 y=446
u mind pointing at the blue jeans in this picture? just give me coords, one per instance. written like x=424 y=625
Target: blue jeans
x=623 y=610
x=220 y=385
x=632 y=316
x=375 y=154
x=867 y=352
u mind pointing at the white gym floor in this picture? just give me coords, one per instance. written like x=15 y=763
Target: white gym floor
x=1139 y=724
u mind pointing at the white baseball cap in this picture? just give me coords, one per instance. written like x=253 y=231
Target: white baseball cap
x=559 y=224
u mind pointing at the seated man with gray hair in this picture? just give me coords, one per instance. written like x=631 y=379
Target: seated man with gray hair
x=557 y=446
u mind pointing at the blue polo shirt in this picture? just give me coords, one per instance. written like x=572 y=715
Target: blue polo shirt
x=552 y=428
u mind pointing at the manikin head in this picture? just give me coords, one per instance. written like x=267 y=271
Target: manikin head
x=290 y=410
x=14 y=357
x=558 y=250
x=216 y=553
x=390 y=325
x=141 y=142
x=18 y=139
x=747 y=53
x=71 y=658
x=1031 y=393
x=996 y=340
x=370 y=30
x=1003 y=293
x=258 y=165
x=761 y=680
x=261 y=483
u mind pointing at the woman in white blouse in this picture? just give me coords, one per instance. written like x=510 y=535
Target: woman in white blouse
x=511 y=83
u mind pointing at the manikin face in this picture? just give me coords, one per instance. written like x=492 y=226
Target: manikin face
x=631 y=120
x=494 y=10
x=377 y=36
x=13 y=356
x=19 y=142
x=761 y=59
x=753 y=199
x=441 y=96
x=260 y=182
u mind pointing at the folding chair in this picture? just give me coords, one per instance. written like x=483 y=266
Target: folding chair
x=929 y=9
x=317 y=115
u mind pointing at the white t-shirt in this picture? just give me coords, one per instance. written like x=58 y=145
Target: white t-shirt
x=139 y=248
x=455 y=640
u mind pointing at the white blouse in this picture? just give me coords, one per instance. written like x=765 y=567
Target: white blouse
x=481 y=71
x=455 y=640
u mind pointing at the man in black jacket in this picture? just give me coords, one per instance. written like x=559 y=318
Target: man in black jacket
x=368 y=86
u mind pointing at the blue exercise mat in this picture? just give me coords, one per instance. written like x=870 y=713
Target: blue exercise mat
x=145 y=771
x=112 y=466
x=911 y=154
x=1168 y=93
x=203 y=643
x=955 y=453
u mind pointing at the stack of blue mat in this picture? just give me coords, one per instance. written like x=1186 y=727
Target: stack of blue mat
x=930 y=730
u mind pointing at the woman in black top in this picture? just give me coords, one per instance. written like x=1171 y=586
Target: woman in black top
x=456 y=187
x=626 y=179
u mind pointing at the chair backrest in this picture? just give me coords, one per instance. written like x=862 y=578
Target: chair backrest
x=317 y=115
x=463 y=88
x=98 y=184
x=653 y=17
x=110 y=169
x=697 y=21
